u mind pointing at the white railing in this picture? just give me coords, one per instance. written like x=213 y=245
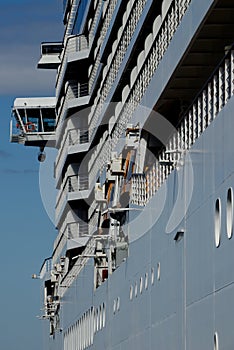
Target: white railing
x=117 y=56
x=95 y=20
x=138 y=189
x=146 y=70
x=209 y=102
x=46 y=267
x=72 y=230
x=106 y=23
x=74 y=43
x=78 y=266
x=72 y=137
x=99 y=157
x=73 y=183
x=59 y=248
x=74 y=90
x=72 y=16
x=161 y=38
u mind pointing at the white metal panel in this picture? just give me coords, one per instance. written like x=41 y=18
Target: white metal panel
x=120 y=31
x=148 y=43
x=165 y=6
x=156 y=26
x=133 y=76
x=140 y=60
x=125 y=93
x=118 y=108
x=124 y=18
x=35 y=102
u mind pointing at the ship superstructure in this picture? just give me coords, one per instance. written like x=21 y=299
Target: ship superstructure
x=142 y=121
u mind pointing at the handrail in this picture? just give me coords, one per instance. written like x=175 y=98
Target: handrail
x=73 y=90
x=46 y=267
x=73 y=43
x=73 y=136
x=73 y=183
x=81 y=229
x=81 y=261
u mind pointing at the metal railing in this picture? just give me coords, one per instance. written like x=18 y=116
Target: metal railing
x=74 y=43
x=72 y=137
x=73 y=90
x=78 y=266
x=72 y=230
x=161 y=40
x=71 y=18
x=118 y=54
x=73 y=183
x=99 y=157
x=46 y=267
x=209 y=102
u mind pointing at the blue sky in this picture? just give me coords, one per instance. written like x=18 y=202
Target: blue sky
x=27 y=233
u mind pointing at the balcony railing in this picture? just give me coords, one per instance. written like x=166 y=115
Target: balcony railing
x=46 y=267
x=148 y=60
x=74 y=43
x=74 y=272
x=72 y=16
x=73 y=183
x=72 y=230
x=72 y=137
x=99 y=157
x=208 y=103
x=74 y=90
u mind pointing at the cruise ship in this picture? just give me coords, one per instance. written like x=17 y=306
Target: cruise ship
x=142 y=120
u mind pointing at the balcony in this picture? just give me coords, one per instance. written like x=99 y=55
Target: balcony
x=46 y=268
x=76 y=94
x=33 y=122
x=209 y=102
x=75 y=140
x=74 y=187
x=74 y=235
x=76 y=49
x=50 y=55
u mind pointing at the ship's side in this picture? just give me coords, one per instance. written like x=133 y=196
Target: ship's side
x=142 y=120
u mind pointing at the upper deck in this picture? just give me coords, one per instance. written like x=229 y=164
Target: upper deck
x=33 y=122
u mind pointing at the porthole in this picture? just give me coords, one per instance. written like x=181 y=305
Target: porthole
x=131 y=293
x=141 y=284
x=217 y=222
x=229 y=218
x=216 y=341
x=136 y=291
x=158 y=271
x=152 y=276
x=146 y=280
